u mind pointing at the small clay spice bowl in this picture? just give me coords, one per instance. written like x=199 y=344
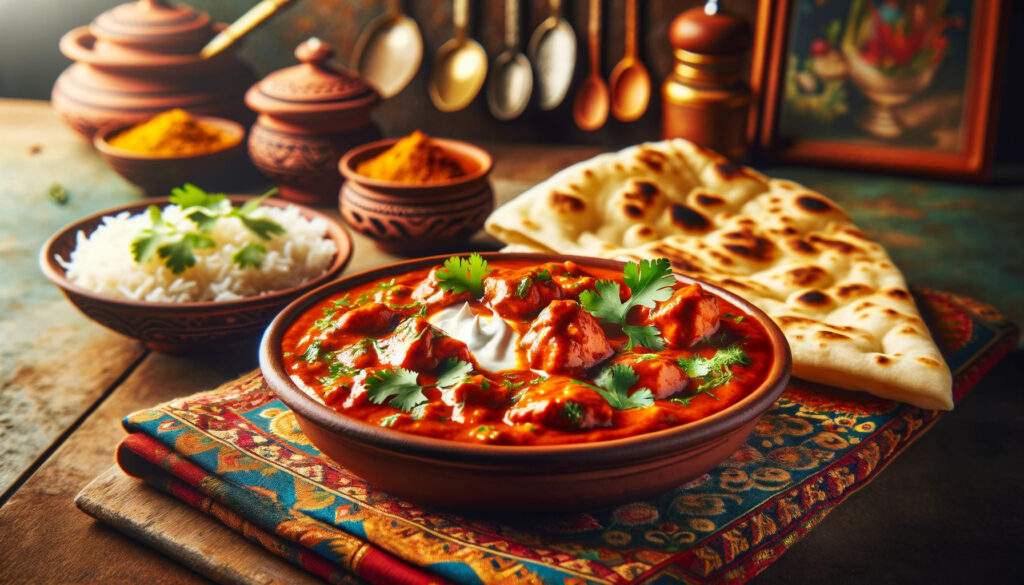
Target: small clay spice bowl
x=157 y=174
x=412 y=219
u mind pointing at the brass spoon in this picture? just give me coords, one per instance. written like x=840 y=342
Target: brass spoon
x=512 y=79
x=460 y=66
x=590 y=111
x=389 y=52
x=630 y=81
x=552 y=51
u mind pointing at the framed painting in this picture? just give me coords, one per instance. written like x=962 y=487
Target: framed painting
x=894 y=85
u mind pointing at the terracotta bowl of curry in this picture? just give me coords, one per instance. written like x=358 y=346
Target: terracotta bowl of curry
x=417 y=218
x=219 y=169
x=573 y=413
x=183 y=327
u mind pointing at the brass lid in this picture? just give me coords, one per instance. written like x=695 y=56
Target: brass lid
x=154 y=25
x=314 y=86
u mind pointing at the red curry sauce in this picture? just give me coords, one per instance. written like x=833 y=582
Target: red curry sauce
x=377 y=330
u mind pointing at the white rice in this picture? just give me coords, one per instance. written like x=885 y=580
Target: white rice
x=103 y=261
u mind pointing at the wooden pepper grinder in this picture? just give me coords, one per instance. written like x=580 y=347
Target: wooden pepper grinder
x=705 y=98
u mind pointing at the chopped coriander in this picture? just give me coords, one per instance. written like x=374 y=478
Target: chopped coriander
x=312 y=353
x=58 y=194
x=645 y=357
x=542 y=276
x=327 y=321
x=572 y=411
x=523 y=288
x=512 y=385
x=735 y=318
x=649 y=281
x=249 y=256
x=518 y=396
x=177 y=248
x=341 y=302
x=464 y=275
x=390 y=420
x=397 y=387
x=453 y=371
x=715 y=371
x=337 y=370
x=613 y=385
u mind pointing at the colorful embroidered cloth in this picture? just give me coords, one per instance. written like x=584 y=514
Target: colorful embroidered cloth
x=237 y=454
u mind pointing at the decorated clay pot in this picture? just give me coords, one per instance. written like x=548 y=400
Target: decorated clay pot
x=415 y=218
x=142 y=58
x=309 y=116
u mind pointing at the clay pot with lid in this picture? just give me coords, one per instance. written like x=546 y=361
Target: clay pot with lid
x=309 y=116
x=142 y=58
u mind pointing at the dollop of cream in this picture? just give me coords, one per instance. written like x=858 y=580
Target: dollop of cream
x=492 y=341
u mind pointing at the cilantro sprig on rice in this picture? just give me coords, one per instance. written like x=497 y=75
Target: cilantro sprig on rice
x=176 y=247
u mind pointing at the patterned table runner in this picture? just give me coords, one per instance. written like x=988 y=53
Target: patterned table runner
x=236 y=453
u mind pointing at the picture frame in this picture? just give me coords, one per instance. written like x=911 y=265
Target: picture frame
x=888 y=85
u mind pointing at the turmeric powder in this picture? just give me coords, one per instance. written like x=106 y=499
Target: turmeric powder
x=173 y=133
x=413 y=159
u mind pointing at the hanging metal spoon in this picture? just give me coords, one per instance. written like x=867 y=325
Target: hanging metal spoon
x=630 y=81
x=460 y=66
x=553 y=53
x=592 y=101
x=511 y=83
x=389 y=52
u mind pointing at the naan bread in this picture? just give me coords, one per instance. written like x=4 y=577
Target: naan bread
x=837 y=296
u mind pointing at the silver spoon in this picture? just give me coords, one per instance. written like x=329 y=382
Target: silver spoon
x=460 y=66
x=389 y=52
x=553 y=53
x=511 y=84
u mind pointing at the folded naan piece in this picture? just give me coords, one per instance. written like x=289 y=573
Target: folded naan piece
x=838 y=297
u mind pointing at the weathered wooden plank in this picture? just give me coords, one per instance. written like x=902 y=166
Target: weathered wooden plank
x=183 y=533
x=44 y=538
x=54 y=362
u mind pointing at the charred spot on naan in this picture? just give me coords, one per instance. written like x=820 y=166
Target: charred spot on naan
x=680 y=260
x=566 y=204
x=814 y=298
x=806 y=276
x=652 y=159
x=840 y=246
x=813 y=204
x=705 y=199
x=852 y=291
x=748 y=245
x=689 y=220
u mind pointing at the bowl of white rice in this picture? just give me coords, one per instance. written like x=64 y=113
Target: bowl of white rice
x=180 y=281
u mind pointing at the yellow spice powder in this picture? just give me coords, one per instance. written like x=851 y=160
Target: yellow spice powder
x=172 y=133
x=413 y=159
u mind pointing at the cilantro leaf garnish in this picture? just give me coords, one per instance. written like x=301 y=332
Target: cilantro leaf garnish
x=572 y=411
x=263 y=228
x=249 y=256
x=649 y=281
x=177 y=247
x=312 y=353
x=523 y=287
x=453 y=371
x=144 y=247
x=180 y=255
x=464 y=275
x=714 y=372
x=644 y=335
x=613 y=385
x=337 y=370
x=397 y=387
x=390 y=420
x=188 y=195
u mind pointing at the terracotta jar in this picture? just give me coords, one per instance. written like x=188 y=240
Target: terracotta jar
x=706 y=99
x=139 y=59
x=309 y=116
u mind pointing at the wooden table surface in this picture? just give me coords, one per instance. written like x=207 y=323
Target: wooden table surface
x=948 y=510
